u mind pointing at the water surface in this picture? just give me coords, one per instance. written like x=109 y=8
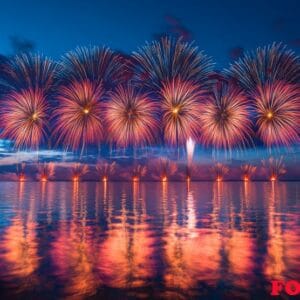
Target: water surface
x=147 y=240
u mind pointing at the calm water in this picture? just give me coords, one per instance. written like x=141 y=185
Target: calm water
x=147 y=240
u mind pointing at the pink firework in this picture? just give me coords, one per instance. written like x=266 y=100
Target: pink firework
x=180 y=104
x=219 y=170
x=274 y=168
x=78 y=170
x=138 y=171
x=247 y=171
x=225 y=118
x=25 y=118
x=131 y=118
x=78 y=115
x=277 y=107
x=163 y=168
x=105 y=169
x=45 y=171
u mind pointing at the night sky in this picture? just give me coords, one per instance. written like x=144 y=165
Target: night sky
x=224 y=29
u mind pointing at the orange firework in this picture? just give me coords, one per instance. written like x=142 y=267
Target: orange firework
x=78 y=170
x=219 y=170
x=180 y=103
x=247 y=171
x=163 y=168
x=45 y=171
x=25 y=118
x=274 y=168
x=224 y=118
x=131 y=117
x=105 y=169
x=277 y=107
x=138 y=171
x=78 y=115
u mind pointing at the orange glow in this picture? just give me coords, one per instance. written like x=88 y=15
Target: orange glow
x=270 y=115
x=164 y=179
x=273 y=178
x=135 y=179
x=219 y=179
x=246 y=178
x=34 y=116
x=22 y=178
x=44 y=179
x=104 y=179
x=86 y=111
x=75 y=178
x=175 y=110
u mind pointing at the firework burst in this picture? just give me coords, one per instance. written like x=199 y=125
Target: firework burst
x=105 y=170
x=78 y=115
x=247 y=171
x=274 y=168
x=180 y=105
x=163 y=168
x=21 y=172
x=29 y=71
x=131 y=118
x=29 y=81
x=277 y=108
x=25 y=118
x=268 y=64
x=225 y=118
x=169 y=58
x=98 y=65
x=78 y=170
x=45 y=171
x=219 y=170
x=138 y=171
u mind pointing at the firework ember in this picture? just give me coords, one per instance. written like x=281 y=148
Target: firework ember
x=163 y=168
x=274 y=168
x=78 y=170
x=169 y=58
x=131 y=118
x=78 y=115
x=247 y=171
x=105 y=170
x=225 y=118
x=277 y=108
x=180 y=104
x=45 y=171
x=138 y=171
x=267 y=64
x=219 y=170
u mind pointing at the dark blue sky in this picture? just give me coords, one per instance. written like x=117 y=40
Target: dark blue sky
x=221 y=28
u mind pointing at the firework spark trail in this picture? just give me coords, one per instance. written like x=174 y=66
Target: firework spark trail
x=131 y=118
x=180 y=106
x=169 y=58
x=266 y=65
x=163 y=168
x=46 y=171
x=247 y=171
x=225 y=118
x=138 y=171
x=105 y=169
x=78 y=170
x=219 y=170
x=277 y=107
x=79 y=115
x=274 y=168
